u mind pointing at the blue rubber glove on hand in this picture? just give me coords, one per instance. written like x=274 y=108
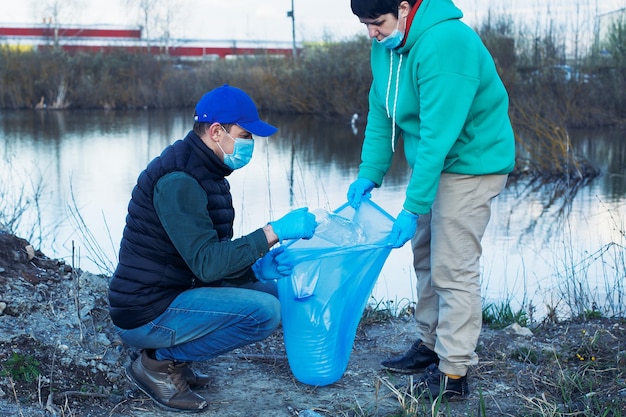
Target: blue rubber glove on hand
x=358 y=189
x=297 y=224
x=403 y=229
x=276 y=264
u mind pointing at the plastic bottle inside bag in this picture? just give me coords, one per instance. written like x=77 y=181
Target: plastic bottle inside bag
x=304 y=280
x=337 y=229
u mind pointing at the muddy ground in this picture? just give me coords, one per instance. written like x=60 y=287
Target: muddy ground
x=59 y=356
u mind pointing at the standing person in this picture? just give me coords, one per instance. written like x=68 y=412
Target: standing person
x=436 y=85
x=184 y=289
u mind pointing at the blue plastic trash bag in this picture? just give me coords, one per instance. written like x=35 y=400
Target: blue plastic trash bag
x=323 y=301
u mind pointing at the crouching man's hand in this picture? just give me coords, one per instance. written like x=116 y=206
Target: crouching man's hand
x=276 y=264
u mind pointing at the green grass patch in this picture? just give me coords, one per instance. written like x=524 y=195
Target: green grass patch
x=21 y=368
x=501 y=315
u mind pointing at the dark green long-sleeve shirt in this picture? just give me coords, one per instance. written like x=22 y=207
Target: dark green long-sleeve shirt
x=180 y=203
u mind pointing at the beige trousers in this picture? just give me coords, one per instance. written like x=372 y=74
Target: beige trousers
x=446 y=250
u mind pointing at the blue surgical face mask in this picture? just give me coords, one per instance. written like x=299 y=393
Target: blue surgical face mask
x=242 y=152
x=394 y=39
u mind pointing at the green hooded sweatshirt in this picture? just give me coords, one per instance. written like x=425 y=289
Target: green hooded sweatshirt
x=440 y=90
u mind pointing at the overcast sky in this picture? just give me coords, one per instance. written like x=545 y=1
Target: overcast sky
x=267 y=19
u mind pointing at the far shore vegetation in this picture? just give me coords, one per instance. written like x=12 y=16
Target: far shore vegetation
x=544 y=77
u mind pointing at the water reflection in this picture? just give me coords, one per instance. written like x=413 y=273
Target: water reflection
x=606 y=149
x=89 y=160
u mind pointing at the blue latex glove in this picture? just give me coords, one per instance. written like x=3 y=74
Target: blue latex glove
x=403 y=229
x=359 y=189
x=276 y=264
x=297 y=224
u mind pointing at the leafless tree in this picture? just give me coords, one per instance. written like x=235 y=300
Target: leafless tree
x=55 y=13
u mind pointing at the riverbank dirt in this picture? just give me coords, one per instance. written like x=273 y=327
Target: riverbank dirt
x=59 y=356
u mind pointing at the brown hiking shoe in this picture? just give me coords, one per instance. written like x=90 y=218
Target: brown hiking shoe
x=194 y=378
x=163 y=381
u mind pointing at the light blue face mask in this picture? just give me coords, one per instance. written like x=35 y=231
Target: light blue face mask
x=394 y=39
x=242 y=152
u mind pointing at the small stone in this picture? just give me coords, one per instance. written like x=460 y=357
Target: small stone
x=518 y=330
x=3 y=307
x=308 y=413
x=30 y=252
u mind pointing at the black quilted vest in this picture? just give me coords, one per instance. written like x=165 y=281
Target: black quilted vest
x=151 y=273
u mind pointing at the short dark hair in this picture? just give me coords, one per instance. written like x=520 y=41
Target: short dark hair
x=372 y=9
x=200 y=128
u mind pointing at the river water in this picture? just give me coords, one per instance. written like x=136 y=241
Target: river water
x=538 y=250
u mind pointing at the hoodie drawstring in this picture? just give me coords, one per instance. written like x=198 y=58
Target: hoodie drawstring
x=392 y=114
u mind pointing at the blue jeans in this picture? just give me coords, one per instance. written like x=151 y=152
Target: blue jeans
x=205 y=322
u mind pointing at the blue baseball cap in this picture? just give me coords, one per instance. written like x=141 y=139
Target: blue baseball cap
x=231 y=105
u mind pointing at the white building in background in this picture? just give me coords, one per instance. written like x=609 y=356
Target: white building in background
x=107 y=38
x=604 y=21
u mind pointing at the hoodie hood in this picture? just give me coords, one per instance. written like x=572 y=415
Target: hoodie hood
x=429 y=13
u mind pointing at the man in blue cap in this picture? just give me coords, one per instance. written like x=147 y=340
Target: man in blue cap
x=184 y=290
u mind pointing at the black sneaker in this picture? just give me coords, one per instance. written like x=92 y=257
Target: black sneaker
x=416 y=359
x=436 y=384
